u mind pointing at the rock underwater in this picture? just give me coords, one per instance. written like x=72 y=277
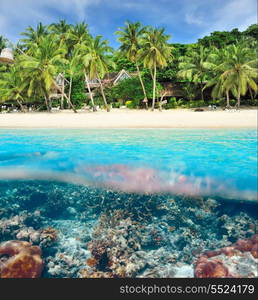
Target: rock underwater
x=19 y=259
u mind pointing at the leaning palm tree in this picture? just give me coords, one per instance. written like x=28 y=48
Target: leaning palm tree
x=97 y=62
x=129 y=37
x=155 y=53
x=41 y=68
x=12 y=86
x=195 y=65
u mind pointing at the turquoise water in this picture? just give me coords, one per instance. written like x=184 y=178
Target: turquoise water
x=219 y=163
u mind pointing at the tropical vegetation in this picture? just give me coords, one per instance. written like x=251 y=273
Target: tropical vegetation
x=219 y=68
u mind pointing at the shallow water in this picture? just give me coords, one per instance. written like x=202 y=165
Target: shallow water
x=156 y=198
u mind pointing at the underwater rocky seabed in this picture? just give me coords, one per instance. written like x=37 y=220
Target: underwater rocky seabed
x=95 y=232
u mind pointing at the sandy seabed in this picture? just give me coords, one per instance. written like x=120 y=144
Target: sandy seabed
x=124 y=118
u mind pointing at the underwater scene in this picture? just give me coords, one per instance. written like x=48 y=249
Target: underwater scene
x=114 y=203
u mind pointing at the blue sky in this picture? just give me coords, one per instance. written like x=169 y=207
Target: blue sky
x=184 y=20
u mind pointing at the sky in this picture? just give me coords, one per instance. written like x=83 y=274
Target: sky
x=184 y=20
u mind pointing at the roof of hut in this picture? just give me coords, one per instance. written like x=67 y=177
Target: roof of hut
x=173 y=89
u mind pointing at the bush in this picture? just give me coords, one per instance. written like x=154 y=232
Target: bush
x=197 y=103
x=172 y=103
x=252 y=102
x=131 y=104
x=116 y=104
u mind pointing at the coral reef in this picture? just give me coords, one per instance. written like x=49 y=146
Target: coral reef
x=19 y=259
x=239 y=260
x=99 y=233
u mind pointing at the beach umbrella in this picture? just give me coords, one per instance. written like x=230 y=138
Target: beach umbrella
x=6 y=56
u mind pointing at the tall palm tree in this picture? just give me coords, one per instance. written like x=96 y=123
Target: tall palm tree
x=33 y=36
x=12 y=86
x=97 y=62
x=78 y=34
x=195 y=65
x=41 y=68
x=129 y=37
x=155 y=53
x=217 y=57
x=73 y=67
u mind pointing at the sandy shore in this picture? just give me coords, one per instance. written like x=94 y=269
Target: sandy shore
x=123 y=118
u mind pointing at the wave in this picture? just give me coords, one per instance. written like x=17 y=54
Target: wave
x=128 y=179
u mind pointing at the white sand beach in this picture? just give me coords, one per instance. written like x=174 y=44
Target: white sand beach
x=125 y=118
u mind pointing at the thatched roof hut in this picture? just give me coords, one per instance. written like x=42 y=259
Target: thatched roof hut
x=6 y=56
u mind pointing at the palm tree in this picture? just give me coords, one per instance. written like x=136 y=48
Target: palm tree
x=240 y=69
x=78 y=34
x=41 y=68
x=155 y=53
x=130 y=36
x=33 y=36
x=217 y=57
x=97 y=62
x=235 y=71
x=195 y=65
x=12 y=86
x=73 y=67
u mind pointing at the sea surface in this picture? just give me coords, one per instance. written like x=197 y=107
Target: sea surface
x=190 y=190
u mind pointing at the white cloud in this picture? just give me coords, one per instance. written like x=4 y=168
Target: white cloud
x=22 y=13
x=205 y=16
x=200 y=17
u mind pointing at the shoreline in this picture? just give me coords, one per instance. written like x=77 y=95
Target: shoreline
x=125 y=118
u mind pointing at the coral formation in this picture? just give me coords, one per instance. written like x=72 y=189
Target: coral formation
x=19 y=259
x=238 y=260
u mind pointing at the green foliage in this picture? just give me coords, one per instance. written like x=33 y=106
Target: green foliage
x=251 y=31
x=131 y=104
x=130 y=89
x=121 y=62
x=227 y=60
x=78 y=95
x=172 y=103
x=3 y=43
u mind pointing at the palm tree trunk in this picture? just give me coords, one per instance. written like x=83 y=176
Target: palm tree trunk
x=47 y=102
x=70 y=91
x=161 y=100
x=251 y=93
x=202 y=91
x=227 y=93
x=145 y=100
x=238 y=97
x=21 y=106
x=62 y=96
x=154 y=87
x=89 y=90
x=103 y=94
x=68 y=100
